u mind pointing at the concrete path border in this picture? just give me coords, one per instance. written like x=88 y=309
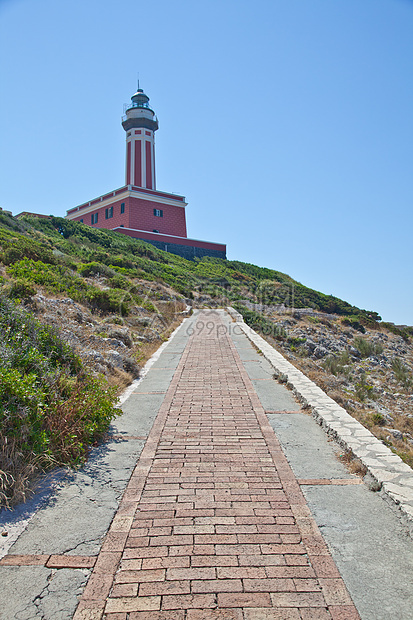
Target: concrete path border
x=394 y=478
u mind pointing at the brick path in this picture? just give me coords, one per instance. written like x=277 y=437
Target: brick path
x=213 y=523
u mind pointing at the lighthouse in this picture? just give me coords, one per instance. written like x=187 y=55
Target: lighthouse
x=138 y=209
x=140 y=124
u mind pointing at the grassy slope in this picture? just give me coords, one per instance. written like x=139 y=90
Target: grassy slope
x=27 y=246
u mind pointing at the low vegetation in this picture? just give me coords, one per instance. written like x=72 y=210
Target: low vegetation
x=370 y=375
x=51 y=409
x=61 y=253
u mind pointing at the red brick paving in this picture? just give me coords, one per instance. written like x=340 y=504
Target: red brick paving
x=50 y=561
x=24 y=560
x=213 y=523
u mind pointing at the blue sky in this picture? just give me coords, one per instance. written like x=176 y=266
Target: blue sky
x=287 y=124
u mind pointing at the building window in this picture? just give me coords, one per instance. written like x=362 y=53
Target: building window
x=122 y=207
x=154 y=230
x=158 y=212
x=122 y=226
x=81 y=221
x=108 y=213
x=94 y=218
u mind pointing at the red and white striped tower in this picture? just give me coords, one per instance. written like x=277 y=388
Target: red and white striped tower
x=140 y=124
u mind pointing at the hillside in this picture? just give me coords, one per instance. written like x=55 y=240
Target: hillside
x=109 y=301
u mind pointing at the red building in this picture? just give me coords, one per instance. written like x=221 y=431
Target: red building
x=138 y=209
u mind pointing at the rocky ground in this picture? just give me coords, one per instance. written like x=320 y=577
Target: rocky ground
x=369 y=374
x=113 y=345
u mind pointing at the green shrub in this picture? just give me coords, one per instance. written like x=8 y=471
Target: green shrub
x=74 y=423
x=11 y=223
x=354 y=322
x=114 y=300
x=20 y=289
x=364 y=390
x=22 y=247
x=122 y=262
x=260 y=323
x=402 y=373
x=337 y=364
x=378 y=419
x=55 y=278
x=51 y=411
x=59 y=279
x=29 y=345
x=296 y=341
x=119 y=281
x=94 y=268
x=368 y=321
x=367 y=348
x=404 y=332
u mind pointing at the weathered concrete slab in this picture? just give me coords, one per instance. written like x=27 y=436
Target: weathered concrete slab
x=37 y=593
x=306 y=447
x=370 y=546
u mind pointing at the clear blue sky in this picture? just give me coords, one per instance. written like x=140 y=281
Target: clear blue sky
x=287 y=124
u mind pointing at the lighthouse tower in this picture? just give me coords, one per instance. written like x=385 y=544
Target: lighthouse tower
x=138 y=209
x=140 y=124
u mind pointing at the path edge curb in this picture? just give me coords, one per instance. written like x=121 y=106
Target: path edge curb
x=392 y=476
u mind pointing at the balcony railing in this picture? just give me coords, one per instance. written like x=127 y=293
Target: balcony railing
x=127 y=106
x=125 y=117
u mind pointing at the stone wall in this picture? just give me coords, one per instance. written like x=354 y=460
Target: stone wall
x=186 y=251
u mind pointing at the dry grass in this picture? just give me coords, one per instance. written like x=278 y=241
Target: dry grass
x=334 y=386
x=15 y=472
x=353 y=464
x=119 y=379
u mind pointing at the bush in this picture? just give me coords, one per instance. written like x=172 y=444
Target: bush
x=119 y=281
x=404 y=332
x=364 y=390
x=353 y=321
x=367 y=348
x=73 y=423
x=20 y=289
x=27 y=248
x=55 y=278
x=336 y=364
x=94 y=268
x=402 y=373
x=29 y=345
x=377 y=419
x=258 y=322
x=51 y=411
x=113 y=300
x=59 y=279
